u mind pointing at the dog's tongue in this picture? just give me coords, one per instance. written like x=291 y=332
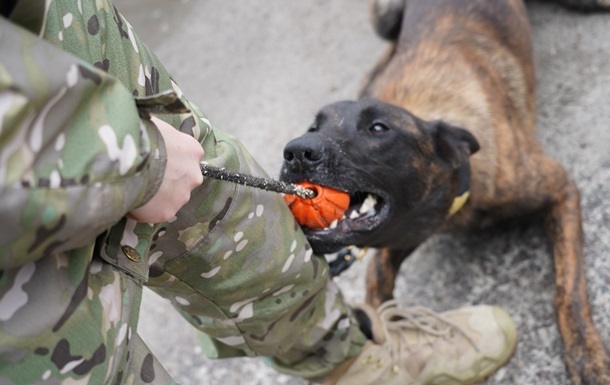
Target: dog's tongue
x=319 y=212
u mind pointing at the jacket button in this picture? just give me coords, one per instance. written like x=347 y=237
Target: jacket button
x=131 y=253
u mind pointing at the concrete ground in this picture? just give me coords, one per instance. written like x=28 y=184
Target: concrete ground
x=261 y=69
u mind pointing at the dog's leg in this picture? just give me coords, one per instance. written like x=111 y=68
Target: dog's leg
x=381 y=274
x=585 y=355
x=546 y=184
x=386 y=16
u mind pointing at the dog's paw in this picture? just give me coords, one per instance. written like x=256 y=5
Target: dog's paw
x=588 y=366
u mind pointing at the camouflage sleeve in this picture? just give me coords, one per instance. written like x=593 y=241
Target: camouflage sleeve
x=75 y=156
x=234 y=261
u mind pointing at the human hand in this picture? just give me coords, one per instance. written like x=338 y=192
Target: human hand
x=182 y=175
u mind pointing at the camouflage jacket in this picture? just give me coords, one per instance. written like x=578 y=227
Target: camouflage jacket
x=77 y=152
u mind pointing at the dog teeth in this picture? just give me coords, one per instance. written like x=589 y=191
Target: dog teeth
x=364 y=208
x=333 y=224
x=368 y=206
x=370 y=201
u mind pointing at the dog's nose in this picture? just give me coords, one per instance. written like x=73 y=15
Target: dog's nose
x=304 y=153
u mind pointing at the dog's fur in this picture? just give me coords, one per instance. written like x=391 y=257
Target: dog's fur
x=458 y=81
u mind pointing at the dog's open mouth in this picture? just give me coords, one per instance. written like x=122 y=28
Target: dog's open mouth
x=362 y=213
x=366 y=213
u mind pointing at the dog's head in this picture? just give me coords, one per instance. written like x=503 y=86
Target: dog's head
x=398 y=170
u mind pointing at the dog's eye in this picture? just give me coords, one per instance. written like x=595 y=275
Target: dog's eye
x=313 y=128
x=378 y=128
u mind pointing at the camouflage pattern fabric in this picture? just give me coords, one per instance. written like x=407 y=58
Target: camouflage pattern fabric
x=77 y=151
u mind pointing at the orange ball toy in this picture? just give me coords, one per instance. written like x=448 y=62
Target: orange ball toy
x=319 y=212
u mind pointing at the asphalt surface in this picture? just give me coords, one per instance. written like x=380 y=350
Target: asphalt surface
x=261 y=69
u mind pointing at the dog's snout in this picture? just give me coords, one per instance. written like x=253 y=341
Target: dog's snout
x=304 y=153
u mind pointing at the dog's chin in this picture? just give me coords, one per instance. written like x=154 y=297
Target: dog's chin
x=365 y=216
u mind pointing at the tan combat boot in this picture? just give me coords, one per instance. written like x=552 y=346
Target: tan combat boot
x=417 y=346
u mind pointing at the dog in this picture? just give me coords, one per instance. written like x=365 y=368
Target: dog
x=443 y=139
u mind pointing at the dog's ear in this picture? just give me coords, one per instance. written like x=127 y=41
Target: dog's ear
x=453 y=144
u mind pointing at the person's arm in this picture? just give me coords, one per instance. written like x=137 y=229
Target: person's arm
x=75 y=155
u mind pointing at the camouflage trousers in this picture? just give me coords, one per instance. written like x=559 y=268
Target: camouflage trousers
x=233 y=262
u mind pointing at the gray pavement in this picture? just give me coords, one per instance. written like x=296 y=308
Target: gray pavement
x=261 y=69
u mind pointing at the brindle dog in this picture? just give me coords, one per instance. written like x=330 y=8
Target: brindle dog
x=444 y=139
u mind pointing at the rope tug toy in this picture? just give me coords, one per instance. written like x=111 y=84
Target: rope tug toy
x=313 y=206
x=319 y=212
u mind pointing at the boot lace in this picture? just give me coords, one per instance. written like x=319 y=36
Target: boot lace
x=432 y=324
